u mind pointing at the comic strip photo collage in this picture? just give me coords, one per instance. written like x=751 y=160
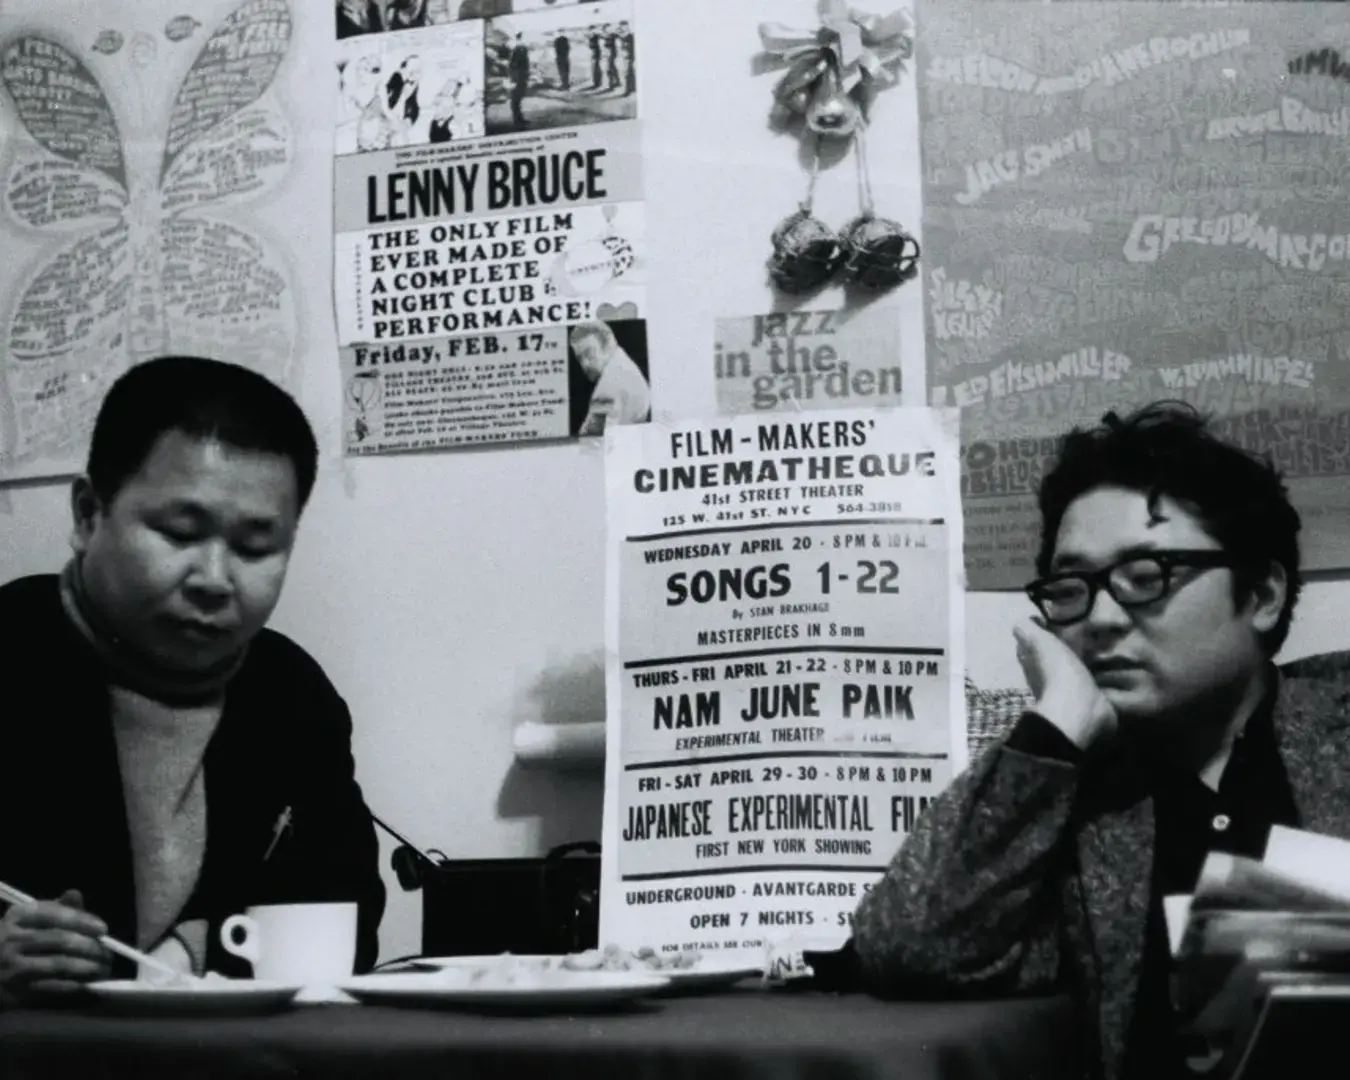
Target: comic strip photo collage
x=417 y=74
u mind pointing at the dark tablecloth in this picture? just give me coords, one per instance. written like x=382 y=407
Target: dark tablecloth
x=743 y=1035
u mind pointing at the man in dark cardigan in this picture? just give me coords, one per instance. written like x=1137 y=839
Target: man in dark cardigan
x=168 y=761
x=1161 y=730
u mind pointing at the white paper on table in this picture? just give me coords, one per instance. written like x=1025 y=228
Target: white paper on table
x=1315 y=858
x=321 y=994
x=1176 y=911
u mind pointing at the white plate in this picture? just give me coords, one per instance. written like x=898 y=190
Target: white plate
x=442 y=963
x=237 y=997
x=452 y=988
x=708 y=975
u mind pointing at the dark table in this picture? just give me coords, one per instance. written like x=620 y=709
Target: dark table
x=741 y=1035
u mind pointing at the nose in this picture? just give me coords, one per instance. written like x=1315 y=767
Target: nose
x=211 y=576
x=1106 y=615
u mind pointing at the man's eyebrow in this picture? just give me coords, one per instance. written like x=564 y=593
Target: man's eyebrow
x=1075 y=561
x=182 y=506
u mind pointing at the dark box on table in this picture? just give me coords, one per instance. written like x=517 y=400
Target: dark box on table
x=480 y=907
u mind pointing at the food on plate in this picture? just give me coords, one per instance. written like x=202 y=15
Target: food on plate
x=615 y=958
x=183 y=981
x=506 y=971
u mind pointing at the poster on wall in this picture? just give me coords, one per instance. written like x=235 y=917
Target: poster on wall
x=490 y=256
x=804 y=360
x=144 y=157
x=1127 y=202
x=785 y=669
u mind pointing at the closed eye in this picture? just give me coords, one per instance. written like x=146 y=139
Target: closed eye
x=179 y=535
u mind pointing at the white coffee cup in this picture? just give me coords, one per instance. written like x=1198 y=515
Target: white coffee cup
x=294 y=943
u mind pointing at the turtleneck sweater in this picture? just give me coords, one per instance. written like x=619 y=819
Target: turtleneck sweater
x=162 y=722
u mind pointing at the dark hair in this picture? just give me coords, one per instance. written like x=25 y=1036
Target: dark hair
x=205 y=399
x=1168 y=449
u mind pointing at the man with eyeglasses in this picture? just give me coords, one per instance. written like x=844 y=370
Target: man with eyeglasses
x=1161 y=730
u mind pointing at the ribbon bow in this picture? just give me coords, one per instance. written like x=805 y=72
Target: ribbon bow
x=858 y=45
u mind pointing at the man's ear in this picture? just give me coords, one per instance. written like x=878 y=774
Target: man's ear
x=1269 y=592
x=85 y=510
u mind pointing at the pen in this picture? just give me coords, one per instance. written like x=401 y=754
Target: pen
x=278 y=830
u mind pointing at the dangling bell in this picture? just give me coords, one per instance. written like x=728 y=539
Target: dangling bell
x=878 y=252
x=832 y=111
x=806 y=254
x=798 y=101
x=793 y=91
x=790 y=109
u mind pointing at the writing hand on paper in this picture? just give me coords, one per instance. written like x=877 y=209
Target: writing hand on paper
x=1066 y=693
x=50 y=948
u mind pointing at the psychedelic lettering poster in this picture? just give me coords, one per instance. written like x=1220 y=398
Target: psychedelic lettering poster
x=1126 y=202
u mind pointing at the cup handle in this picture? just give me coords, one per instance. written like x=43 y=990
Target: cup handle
x=246 y=949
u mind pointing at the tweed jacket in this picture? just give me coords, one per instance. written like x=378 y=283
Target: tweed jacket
x=1029 y=875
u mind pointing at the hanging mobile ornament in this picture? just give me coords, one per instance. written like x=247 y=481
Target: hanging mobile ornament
x=806 y=251
x=832 y=71
x=878 y=252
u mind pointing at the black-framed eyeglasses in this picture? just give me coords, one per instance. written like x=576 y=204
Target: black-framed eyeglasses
x=1132 y=582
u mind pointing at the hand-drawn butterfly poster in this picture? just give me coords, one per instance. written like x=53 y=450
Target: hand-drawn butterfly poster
x=138 y=142
x=1126 y=202
x=489 y=271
